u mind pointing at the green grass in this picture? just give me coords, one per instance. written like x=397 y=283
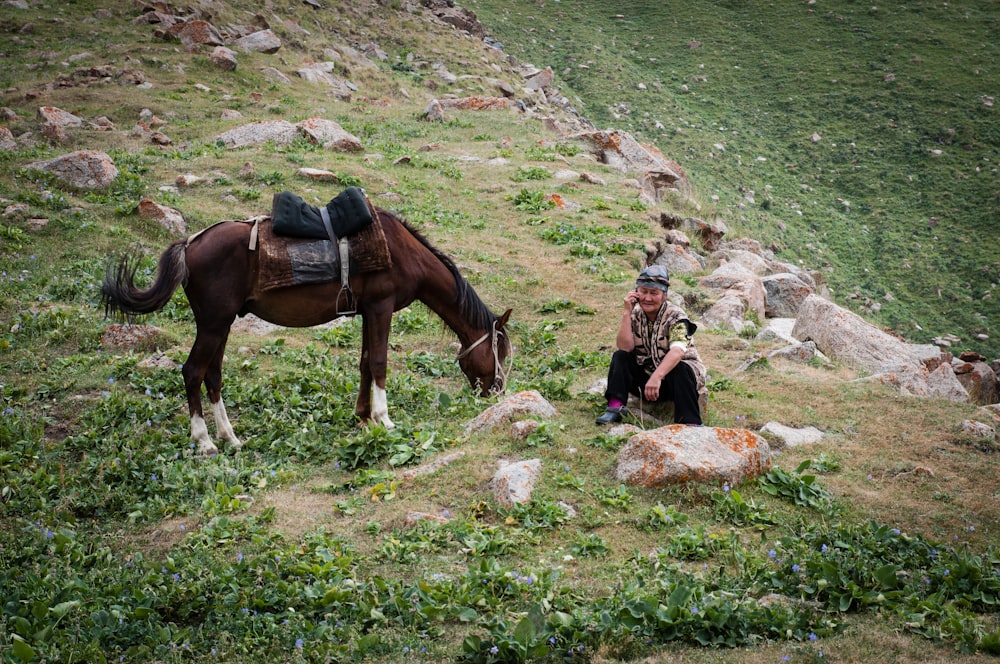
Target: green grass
x=884 y=86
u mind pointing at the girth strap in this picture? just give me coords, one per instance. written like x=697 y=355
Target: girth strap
x=345 y=265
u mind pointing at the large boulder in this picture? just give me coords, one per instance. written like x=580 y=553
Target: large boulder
x=679 y=453
x=845 y=336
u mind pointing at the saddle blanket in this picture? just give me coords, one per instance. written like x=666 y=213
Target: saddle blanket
x=288 y=261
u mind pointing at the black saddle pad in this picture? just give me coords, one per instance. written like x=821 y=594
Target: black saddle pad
x=349 y=213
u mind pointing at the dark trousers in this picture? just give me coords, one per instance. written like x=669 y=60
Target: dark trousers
x=626 y=377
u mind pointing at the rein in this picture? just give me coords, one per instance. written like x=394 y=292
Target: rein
x=499 y=370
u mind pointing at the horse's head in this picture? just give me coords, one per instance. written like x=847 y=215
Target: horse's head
x=484 y=361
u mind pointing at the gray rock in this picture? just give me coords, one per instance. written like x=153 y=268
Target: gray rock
x=263 y=41
x=514 y=481
x=529 y=403
x=84 y=169
x=780 y=436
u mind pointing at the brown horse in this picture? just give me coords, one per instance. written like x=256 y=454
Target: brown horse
x=219 y=273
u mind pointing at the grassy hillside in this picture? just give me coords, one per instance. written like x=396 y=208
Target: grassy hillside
x=119 y=543
x=897 y=199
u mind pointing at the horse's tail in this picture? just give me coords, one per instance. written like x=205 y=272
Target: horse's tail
x=123 y=300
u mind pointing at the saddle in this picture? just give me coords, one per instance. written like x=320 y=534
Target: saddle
x=301 y=244
x=347 y=214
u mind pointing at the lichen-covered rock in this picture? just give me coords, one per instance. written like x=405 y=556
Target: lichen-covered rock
x=679 y=453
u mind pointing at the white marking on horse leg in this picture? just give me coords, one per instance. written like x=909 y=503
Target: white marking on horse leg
x=199 y=434
x=222 y=425
x=380 y=408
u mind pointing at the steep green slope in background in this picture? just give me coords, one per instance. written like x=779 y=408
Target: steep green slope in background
x=898 y=198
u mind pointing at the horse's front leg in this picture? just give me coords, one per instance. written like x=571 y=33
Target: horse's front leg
x=374 y=361
x=363 y=407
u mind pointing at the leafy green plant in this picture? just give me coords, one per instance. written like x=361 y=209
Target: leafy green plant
x=660 y=517
x=525 y=173
x=730 y=506
x=798 y=488
x=533 y=201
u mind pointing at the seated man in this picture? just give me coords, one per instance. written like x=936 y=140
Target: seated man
x=656 y=358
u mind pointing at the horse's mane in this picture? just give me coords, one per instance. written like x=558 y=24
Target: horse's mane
x=470 y=305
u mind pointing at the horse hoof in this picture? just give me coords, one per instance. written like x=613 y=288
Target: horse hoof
x=208 y=450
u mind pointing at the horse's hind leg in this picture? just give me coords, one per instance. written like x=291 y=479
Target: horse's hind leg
x=203 y=354
x=213 y=385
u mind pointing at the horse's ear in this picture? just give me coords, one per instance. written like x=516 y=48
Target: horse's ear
x=503 y=319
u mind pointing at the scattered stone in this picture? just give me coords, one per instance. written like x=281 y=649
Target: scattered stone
x=785 y=293
x=845 y=336
x=230 y=114
x=521 y=429
x=593 y=179
x=514 y=481
x=263 y=41
x=784 y=436
x=275 y=76
x=58 y=117
x=797 y=352
x=158 y=361
x=55 y=133
x=329 y=134
x=431 y=466
x=84 y=169
x=165 y=216
x=317 y=174
x=223 y=58
x=16 y=209
x=978 y=429
x=434 y=112
x=529 y=403
x=279 y=132
x=476 y=103
x=188 y=180
x=134 y=337
x=414 y=519
x=196 y=33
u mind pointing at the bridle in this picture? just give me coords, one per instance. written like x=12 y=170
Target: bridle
x=499 y=370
